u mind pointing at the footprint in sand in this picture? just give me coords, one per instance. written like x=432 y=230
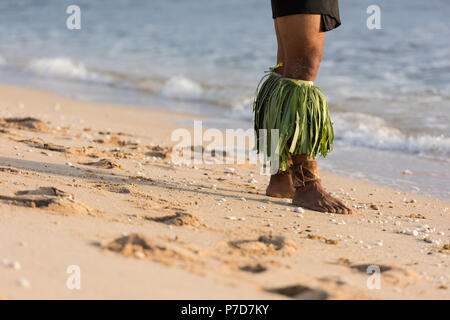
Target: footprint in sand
x=392 y=274
x=49 y=198
x=363 y=267
x=179 y=219
x=103 y=164
x=113 y=187
x=253 y=268
x=300 y=292
x=325 y=240
x=41 y=144
x=28 y=123
x=264 y=245
x=116 y=141
x=158 y=152
x=138 y=246
x=10 y=170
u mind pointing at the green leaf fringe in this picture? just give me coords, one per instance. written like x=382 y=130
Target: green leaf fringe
x=299 y=111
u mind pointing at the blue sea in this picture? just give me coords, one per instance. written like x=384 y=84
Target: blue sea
x=388 y=88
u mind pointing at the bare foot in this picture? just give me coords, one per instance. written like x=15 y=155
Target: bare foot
x=281 y=186
x=309 y=192
x=313 y=196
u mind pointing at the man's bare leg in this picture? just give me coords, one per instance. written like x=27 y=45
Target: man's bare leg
x=280 y=185
x=302 y=47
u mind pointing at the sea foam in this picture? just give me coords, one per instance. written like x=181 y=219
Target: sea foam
x=363 y=130
x=179 y=87
x=65 y=68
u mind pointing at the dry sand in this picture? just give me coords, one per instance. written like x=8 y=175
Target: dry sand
x=92 y=185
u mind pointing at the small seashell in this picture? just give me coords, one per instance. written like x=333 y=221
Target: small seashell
x=379 y=243
x=230 y=218
x=139 y=255
x=23 y=282
x=299 y=209
x=16 y=265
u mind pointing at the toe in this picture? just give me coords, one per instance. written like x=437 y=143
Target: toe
x=340 y=210
x=330 y=208
x=346 y=210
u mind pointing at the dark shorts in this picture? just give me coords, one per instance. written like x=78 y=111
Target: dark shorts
x=329 y=9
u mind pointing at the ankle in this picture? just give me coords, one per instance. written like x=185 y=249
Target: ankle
x=299 y=158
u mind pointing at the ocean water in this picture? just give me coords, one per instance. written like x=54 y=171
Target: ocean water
x=388 y=89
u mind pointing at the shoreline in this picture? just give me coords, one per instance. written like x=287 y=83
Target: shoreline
x=379 y=166
x=226 y=239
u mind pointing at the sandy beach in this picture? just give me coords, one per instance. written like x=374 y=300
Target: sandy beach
x=93 y=186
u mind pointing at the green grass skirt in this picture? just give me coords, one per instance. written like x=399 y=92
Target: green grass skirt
x=299 y=111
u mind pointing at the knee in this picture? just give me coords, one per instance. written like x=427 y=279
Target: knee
x=303 y=66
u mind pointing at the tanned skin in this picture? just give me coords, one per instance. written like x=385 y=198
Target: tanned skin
x=300 y=48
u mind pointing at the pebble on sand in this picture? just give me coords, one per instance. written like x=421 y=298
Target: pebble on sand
x=139 y=255
x=299 y=209
x=12 y=264
x=23 y=282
